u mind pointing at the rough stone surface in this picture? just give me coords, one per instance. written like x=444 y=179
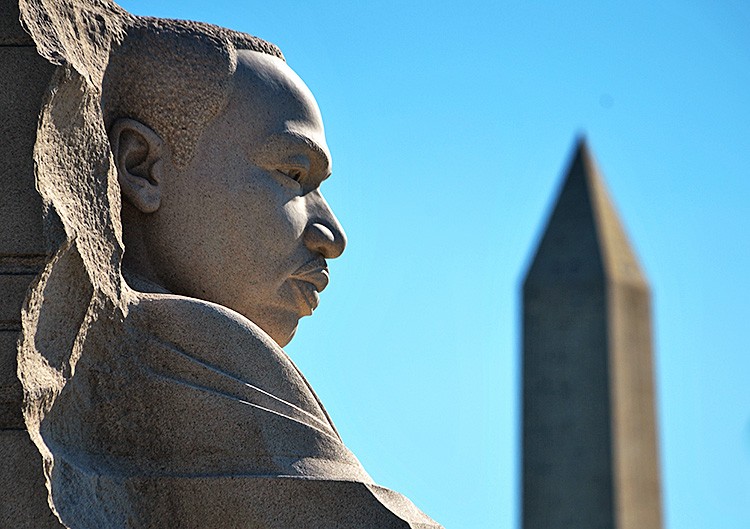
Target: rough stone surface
x=24 y=77
x=589 y=433
x=155 y=386
x=24 y=498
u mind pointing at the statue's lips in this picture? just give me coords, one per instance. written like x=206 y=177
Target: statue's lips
x=311 y=279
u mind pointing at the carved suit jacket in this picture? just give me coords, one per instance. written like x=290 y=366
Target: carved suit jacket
x=186 y=414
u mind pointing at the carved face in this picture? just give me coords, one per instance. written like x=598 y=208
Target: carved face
x=245 y=225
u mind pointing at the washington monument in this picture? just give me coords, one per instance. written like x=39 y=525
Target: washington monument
x=589 y=434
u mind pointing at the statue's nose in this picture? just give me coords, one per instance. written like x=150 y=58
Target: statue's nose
x=324 y=234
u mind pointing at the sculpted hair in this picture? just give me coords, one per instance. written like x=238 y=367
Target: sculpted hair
x=174 y=76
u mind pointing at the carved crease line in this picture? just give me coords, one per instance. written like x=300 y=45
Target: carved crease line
x=252 y=388
x=238 y=398
x=72 y=458
x=315 y=395
x=229 y=396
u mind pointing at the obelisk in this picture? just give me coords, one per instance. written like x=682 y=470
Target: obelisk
x=589 y=431
x=24 y=76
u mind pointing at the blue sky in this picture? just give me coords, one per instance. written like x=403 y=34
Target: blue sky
x=450 y=126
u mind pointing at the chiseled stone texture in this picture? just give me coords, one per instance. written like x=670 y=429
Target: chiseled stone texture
x=589 y=432
x=16 y=275
x=194 y=238
x=24 y=77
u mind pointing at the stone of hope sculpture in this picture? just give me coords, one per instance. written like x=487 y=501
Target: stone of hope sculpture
x=155 y=385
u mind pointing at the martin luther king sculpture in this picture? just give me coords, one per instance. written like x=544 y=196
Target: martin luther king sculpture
x=180 y=166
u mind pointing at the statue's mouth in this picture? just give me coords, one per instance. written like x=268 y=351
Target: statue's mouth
x=310 y=280
x=314 y=272
x=308 y=296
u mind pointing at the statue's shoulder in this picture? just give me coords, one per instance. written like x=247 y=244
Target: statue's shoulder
x=195 y=322
x=218 y=347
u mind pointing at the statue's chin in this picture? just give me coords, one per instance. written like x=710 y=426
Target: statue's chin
x=280 y=327
x=283 y=339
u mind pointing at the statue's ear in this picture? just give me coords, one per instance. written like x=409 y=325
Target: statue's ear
x=138 y=152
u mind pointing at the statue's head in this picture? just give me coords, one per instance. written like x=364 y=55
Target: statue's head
x=220 y=153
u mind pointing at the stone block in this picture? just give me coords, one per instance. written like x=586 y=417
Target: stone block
x=13 y=289
x=8 y=353
x=24 y=76
x=24 y=496
x=11 y=32
x=10 y=387
x=12 y=293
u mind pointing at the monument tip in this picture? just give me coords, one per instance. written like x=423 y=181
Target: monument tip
x=584 y=239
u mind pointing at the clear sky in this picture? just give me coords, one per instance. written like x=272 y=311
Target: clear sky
x=450 y=125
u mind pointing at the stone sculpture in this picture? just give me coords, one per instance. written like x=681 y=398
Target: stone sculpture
x=155 y=385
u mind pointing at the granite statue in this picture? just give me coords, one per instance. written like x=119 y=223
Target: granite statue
x=180 y=167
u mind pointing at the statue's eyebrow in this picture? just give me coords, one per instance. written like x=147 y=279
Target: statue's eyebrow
x=320 y=159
